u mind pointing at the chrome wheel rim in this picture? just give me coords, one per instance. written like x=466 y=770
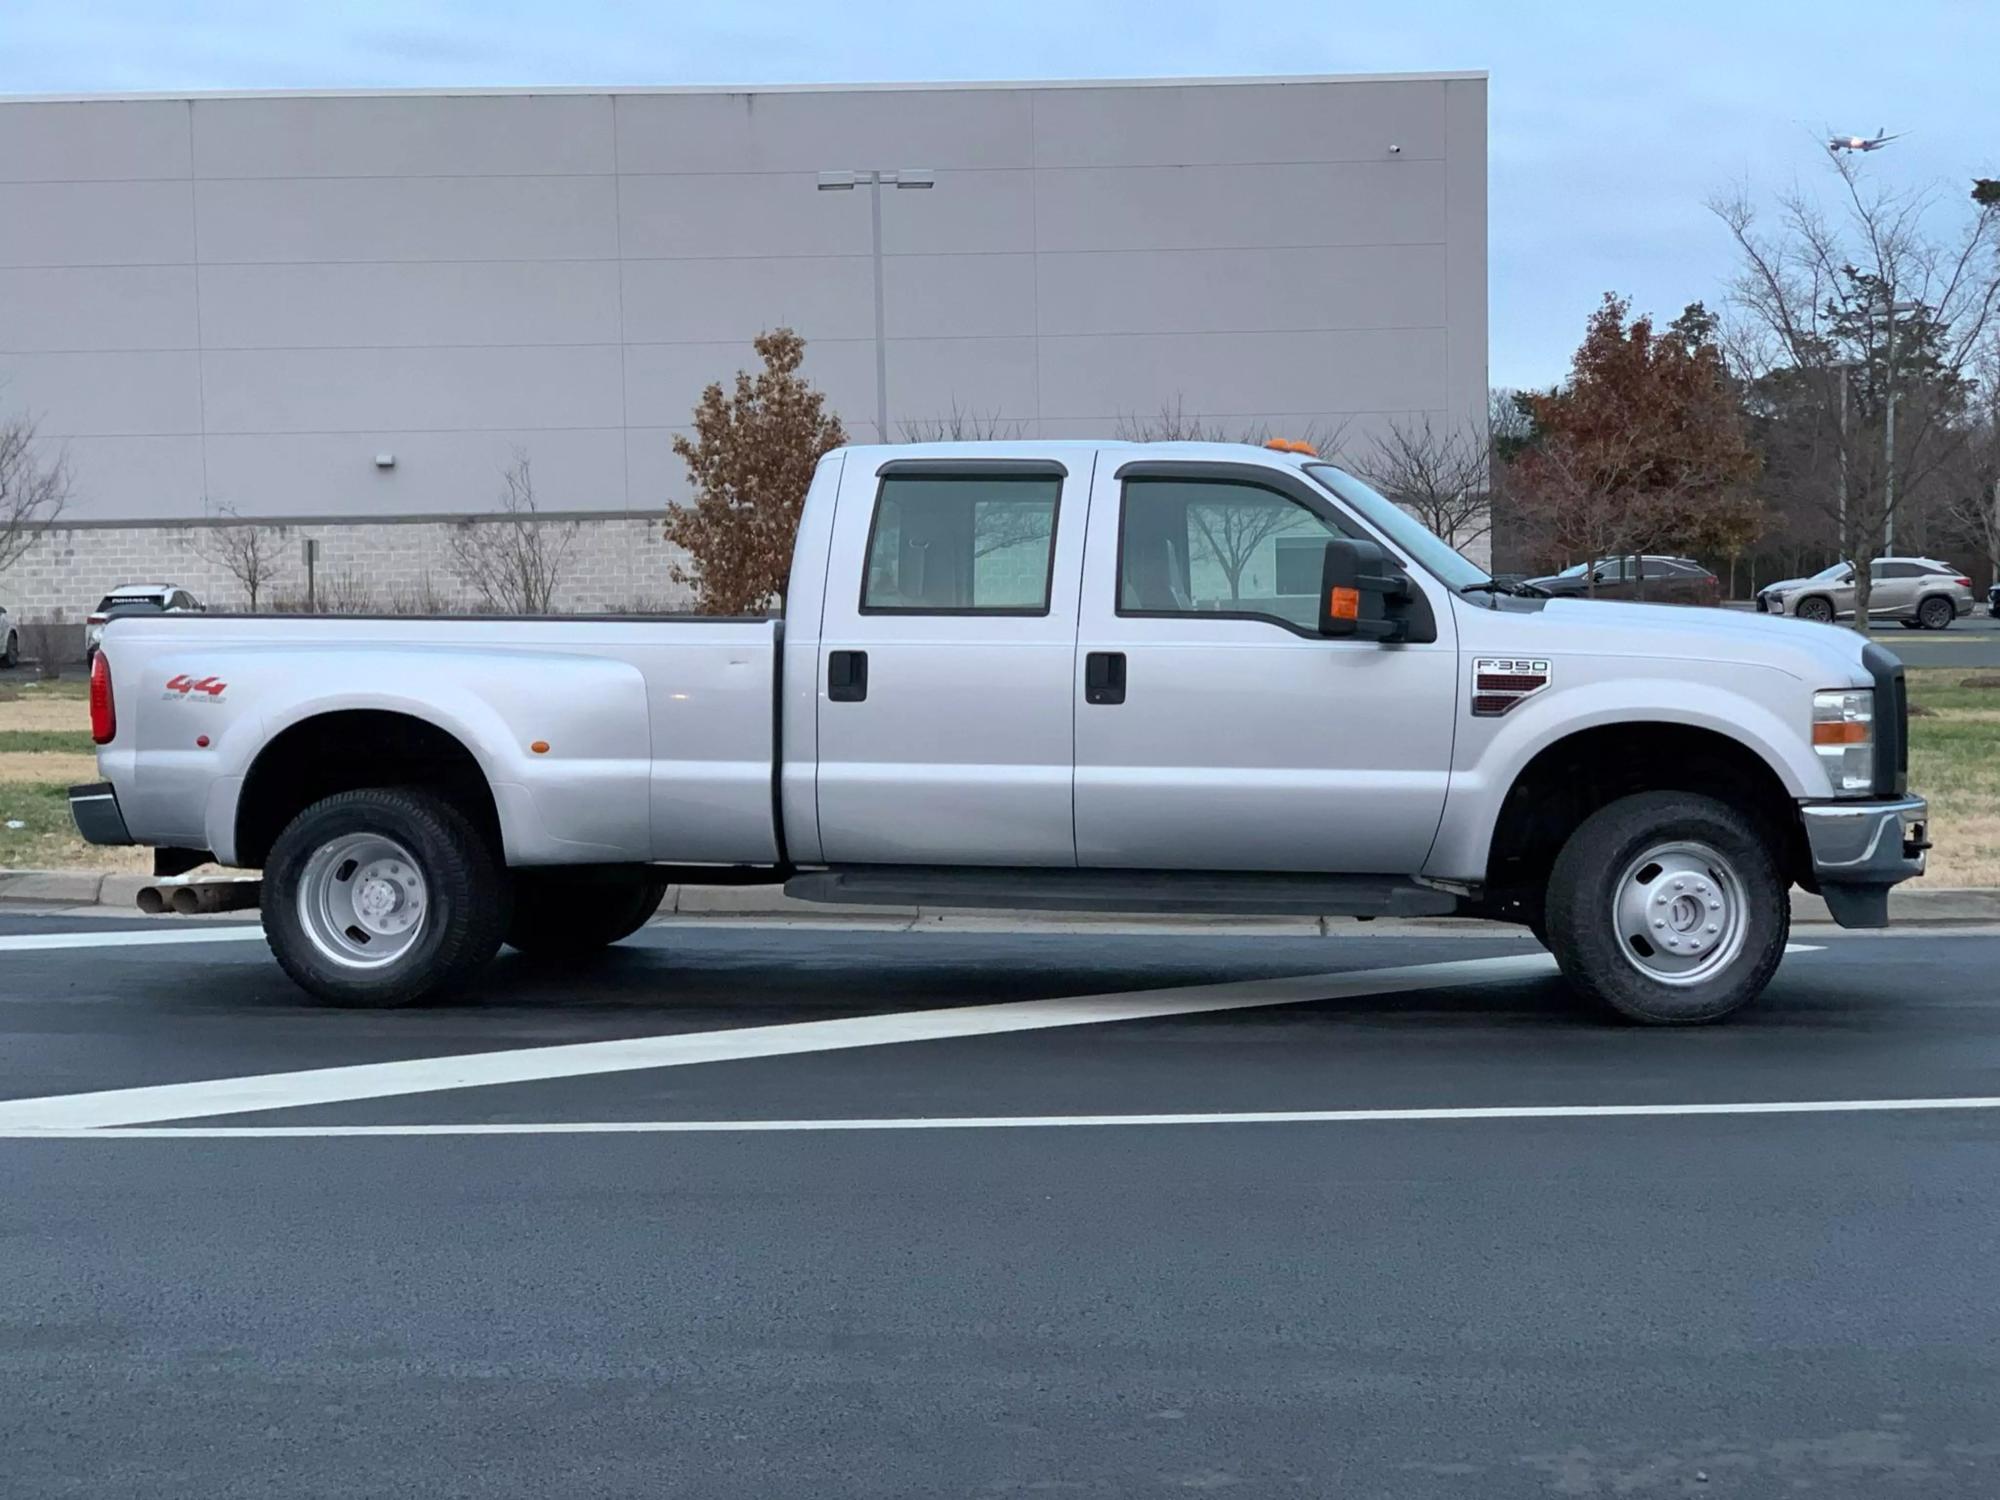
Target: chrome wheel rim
x=1680 y=913
x=363 y=901
x=1935 y=615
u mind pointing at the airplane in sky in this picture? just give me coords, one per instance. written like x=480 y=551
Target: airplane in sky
x=1873 y=142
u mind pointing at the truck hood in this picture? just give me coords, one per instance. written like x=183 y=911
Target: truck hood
x=1824 y=655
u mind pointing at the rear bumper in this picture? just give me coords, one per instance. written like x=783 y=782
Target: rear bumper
x=1861 y=849
x=94 y=809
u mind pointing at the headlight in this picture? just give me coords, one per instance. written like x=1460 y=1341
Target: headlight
x=1843 y=736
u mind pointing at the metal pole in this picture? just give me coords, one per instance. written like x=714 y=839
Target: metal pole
x=881 y=342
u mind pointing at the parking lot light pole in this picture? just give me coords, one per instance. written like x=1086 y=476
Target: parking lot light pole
x=875 y=179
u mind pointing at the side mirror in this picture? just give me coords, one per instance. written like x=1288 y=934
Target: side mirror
x=1362 y=593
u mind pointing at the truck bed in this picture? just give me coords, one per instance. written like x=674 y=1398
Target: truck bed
x=605 y=739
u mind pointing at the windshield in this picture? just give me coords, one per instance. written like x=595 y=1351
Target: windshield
x=1574 y=570
x=1827 y=574
x=131 y=601
x=1410 y=535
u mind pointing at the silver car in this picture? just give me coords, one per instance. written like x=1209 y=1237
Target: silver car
x=1919 y=593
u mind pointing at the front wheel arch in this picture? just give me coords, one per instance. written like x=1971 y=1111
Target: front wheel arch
x=1569 y=780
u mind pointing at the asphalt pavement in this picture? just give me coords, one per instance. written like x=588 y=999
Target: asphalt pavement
x=537 y=1241
x=1971 y=642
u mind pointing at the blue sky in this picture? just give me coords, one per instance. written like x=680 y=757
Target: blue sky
x=1611 y=122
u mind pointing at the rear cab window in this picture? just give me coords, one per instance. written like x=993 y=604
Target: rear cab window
x=962 y=544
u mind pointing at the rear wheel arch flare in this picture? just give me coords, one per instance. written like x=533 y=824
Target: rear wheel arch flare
x=346 y=750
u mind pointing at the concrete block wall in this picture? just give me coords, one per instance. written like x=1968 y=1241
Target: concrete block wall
x=613 y=563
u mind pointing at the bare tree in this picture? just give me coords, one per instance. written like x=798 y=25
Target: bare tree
x=33 y=489
x=1173 y=423
x=1439 y=475
x=961 y=426
x=515 y=561
x=1866 y=323
x=247 y=552
x=1971 y=501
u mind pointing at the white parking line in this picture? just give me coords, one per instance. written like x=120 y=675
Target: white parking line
x=227 y=1096
x=1013 y=1122
x=30 y=942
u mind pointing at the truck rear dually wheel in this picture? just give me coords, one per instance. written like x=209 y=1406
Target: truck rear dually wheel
x=382 y=897
x=566 y=913
x=1669 y=908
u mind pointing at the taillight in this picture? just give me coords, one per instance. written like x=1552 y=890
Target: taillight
x=1965 y=583
x=96 y=619
x=103 y=712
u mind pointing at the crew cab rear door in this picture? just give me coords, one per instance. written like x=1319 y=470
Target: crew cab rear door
x=947 y=654
x=1216 y=729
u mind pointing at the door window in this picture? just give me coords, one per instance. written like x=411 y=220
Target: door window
x=961 y=544
x=1219 y=547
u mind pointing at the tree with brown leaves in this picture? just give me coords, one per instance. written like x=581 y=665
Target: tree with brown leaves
x=1642 y=449
x=751 y=460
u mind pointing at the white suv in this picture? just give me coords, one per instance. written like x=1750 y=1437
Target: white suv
x=137 y=599
x=1920 y=593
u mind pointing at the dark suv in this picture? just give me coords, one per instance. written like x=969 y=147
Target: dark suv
x=1657 y=580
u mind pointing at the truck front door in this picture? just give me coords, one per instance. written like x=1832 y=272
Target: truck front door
x=947 y=651
x=1216 y=729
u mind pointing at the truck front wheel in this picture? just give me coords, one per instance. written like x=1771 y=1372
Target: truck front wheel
x=1669 y=908
x=566 y=913
x=382 y=897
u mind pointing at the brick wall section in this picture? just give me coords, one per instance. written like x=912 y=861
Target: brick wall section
x=612 y=564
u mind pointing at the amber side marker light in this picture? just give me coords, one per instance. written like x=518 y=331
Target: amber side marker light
x=1344 y=604
x=540 y=747
x=1291 y=445
x=1846 y=732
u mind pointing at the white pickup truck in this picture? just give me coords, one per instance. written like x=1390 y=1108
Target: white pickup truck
x=1069 y=676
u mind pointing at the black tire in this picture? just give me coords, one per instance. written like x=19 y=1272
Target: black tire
x=1910 y=624
x=463 y=883
x=1936 y=613
x=1601 y=867
x=565 y=914
x=1816 y=608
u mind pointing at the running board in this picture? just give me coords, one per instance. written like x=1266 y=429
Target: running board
x=1217 y=892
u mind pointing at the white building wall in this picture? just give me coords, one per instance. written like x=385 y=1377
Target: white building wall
x=240 y=301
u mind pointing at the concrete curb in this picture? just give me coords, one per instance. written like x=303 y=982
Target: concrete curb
x=91 y=888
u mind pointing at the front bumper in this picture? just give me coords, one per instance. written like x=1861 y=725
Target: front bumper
x=94 y=810
x=1860 y=849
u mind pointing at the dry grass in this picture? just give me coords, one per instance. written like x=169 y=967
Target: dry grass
x=42 y=715
x=45 y=767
